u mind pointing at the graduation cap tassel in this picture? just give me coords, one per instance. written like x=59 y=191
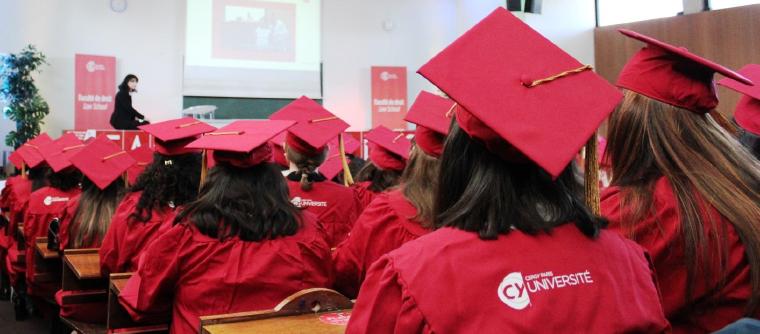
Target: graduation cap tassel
x=592 y=175
x=126 y=179
x=23 y=170
x=204 y=169
x=347 y=178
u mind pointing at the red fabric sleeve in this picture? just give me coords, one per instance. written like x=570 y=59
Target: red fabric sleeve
x=150 y=291
x=384 y=306
x=363 y=246
x=111 y=259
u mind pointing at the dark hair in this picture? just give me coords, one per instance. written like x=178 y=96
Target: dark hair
x=419 y=181
x=93 y=214
x=124 y=83
x=38 y=176
x=705 y=167
x=307 y=164
x=355 y=164
x=167 y=180
x=480 y=192
x=250 y=203
x=381 y=179
x=751 y=141
x=65 y=180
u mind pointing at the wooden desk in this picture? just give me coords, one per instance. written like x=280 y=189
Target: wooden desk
x=119 y=319
x=40 y=246
x=47 y=262
x=317 y=323
x=81 y=275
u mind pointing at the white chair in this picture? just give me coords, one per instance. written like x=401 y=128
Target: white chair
x=200 y=112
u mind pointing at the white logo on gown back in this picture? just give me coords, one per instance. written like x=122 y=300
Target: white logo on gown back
x=515 y=289
x=304 y=202
x=513 y=293
x=50 y=200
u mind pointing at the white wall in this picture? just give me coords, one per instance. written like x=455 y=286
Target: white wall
x=148 y=40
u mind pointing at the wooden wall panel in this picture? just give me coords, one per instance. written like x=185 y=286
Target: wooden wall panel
x=730 y=37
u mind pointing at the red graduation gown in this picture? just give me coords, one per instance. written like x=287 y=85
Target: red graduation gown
x=127 y=239
x=6 y=201
x=95 y=312
x=20 y=191
x=195 y=275
x=659 y=234
x=44 y=204
x=335 y=206
x=382 y=227
x=364 y=193
x=450 y=281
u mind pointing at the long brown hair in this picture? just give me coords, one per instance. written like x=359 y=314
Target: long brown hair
x=93 y=214
x=704 y=165
x=307 y=164
x=419 y=180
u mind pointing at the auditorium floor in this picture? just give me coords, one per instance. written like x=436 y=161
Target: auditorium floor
x=9 y=325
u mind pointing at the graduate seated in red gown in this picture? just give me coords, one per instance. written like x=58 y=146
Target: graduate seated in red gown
x=241 y=246
x=399 y=215
x=86 y=219
x=48 y=203
x=684 y=188
x=306 y=148
x=170 y=181
x=516 y=250
x=388 y=153
x=27 y=157
x=747 y=111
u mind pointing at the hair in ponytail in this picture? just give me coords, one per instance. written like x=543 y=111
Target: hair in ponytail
x=306 y=165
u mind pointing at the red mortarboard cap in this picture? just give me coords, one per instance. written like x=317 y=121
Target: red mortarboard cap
x=172 y=136
x=333 y=164
x=242 y=143
x=31 y=151
x=16 y=159
x=144 y=157
x=520 y=94
x=102 y=161
x=389 y=150
x=430 y=112
x=58 y=153
x=278 y=152
x=747 y=112
x=316 y=125
x=673 y=75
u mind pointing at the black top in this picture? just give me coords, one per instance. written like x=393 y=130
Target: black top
x=125 y=117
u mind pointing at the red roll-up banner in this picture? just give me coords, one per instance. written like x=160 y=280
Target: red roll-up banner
x=94 y=90
x=389 y=100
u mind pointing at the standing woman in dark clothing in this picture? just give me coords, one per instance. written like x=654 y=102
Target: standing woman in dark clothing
x=124 y=116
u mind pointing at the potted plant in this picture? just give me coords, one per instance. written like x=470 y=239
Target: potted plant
x=25 y=106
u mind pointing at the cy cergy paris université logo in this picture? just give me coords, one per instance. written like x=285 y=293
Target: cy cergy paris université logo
x=92 y=66
x=515 y=289
x=303 y=202
x=50 y=200
x=385 y=76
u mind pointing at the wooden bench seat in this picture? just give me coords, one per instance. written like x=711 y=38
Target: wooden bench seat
x=321 y=311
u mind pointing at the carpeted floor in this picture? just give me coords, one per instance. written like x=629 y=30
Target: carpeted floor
x=9 y=325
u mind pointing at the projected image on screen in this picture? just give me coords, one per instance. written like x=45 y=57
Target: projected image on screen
x=253 y=48
x=262 y=30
